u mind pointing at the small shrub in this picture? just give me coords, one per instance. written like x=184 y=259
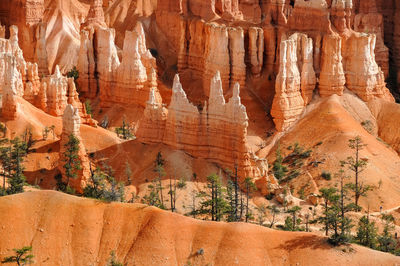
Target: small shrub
x=326 y=175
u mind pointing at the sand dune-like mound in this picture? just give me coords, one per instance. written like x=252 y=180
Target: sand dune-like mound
x=66 y=230
x=326 y=129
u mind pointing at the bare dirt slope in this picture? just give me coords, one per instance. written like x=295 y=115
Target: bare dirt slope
x=67 y=230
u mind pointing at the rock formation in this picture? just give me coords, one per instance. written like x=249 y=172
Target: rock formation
x=308 y=78
x=40 y=49
x=368 y=20
x=332 y=79
x=256 y=50
x=125 y=81
x=288 y=103
x=184 y=127
x=71 y=126
x=10 y=84
x=363 y=76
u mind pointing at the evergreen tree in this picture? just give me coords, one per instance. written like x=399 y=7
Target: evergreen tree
x=279 y=169
x=274 y=211
x=295 y=221
x=21 y=257
x=366 y=232
x=159 y=169
x=113 y=260
x=214 y=202
x=5 y=161
x=72 y=162
x=357 y=165
x=124 y=131
x=16 y=178
x=329 y=196
x=385 y=240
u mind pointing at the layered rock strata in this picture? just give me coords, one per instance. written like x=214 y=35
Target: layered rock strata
x=217 y=132
x=71 y=126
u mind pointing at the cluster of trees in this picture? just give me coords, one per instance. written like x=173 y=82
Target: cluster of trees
x=124 y=131
x=12 y=154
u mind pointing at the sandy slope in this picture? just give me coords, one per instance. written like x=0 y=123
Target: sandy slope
x=66 y=230
x=332 y=125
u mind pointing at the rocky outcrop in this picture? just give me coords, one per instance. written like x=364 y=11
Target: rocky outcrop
x=363 y=76
x=12 y=80
x=183 y=126
x=95 y=15
x=288 y=103
x=71 y=126
x=57 y=87
x=2 y=31
x=125 y=81
x=332 y=79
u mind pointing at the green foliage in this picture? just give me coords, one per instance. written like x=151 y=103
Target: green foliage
x=124 y=131
x=279 y=169
x=214 y=202
x=104 y=186
x=112 y=261
x=292 y=224
x=88 y=107
x=386 y=242
x=73 y=73
x=21 y=257
x=181 y=183
x=72 y=162
x=357 y=166
x=366 y=232
x=326 y=175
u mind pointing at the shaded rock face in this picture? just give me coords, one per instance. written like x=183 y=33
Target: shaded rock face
x=217 y=132
x=71 y=126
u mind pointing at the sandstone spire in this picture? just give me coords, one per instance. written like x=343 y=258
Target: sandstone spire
x=12 y=80
x=71 y=121
x=288 y=103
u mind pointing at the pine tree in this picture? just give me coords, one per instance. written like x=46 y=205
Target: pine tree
x=72 y=162
x=214 y=202
x=357 y=165
x=294 y=210
x=328 y=194
x=159 y=169
x=366 y=232
x=5 y=161
x=279 y=169
x=21 y=257
x=385 y=240
x=16 y=177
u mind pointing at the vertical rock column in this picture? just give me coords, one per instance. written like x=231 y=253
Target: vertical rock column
x=216 y=56
x=256 y=50
x=288 y=103
x=332 y=79
x=11 y=80
x=308 y=78
x=237 y=54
